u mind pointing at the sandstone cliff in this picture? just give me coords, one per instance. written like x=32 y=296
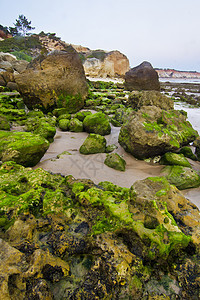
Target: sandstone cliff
x=96 y=63
x=171 y=73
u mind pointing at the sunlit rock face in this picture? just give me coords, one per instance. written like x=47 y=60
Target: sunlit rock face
x=111 y=64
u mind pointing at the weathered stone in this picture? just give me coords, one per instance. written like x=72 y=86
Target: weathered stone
x=94 y=143
x=75 y=125
x=151 y=131
x=22 y=147
x=115 y=161
x=56 y=79
x=102 y=64
x=182 y=177
x=4 y=123
x=170 y=158
x=97 y=123
x=142 y=77
x=143 y=98
x=63 y=124
x=187 y=152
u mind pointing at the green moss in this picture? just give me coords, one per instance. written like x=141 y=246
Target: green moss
x=72 y=103
x=170 y=158
x=64 y=124
x=82 y=114
x=75 y=125
x=182 y=177
x=94 y=143
x=115 y=161
x=22 y=147
x=97 y=123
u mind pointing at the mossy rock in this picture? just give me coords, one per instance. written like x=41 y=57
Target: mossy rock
x=152 y=131
x=93 y=144
x=46 y=130
x=44 y=126
x=115 y=161
x=187 y=152
x=75 y=125
x=64 y=116
x=182 y=177
x=111 y=148
x=82 y=114
x=171 y=158
x=60 y=111
x=22 y=147
x=97 y=123
x=4 y=123
x=63 y=124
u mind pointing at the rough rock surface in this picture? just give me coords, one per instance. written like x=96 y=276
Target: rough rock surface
x=142 y=77
x=145 y=98
x=152 y=131
x=113 y=64
x=94 y=143
x=182 y=177
x=62 y=238
x=22 y=147
x=56 y=79
x=97 y=123
x=115 y=161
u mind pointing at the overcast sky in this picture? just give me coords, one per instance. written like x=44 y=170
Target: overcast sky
x=163 y=32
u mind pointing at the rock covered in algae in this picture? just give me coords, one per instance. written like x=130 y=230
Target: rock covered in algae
x=22 y=147
x=152 y=131
x=171 y=158
x=115 y=161
x=182 y=177
x=97 y=123
x=73 y=239
x=94 y=143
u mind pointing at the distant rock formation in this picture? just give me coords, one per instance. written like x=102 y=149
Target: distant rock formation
x=96 y=63
x=142 y=77
x=110 y=64
x=171 y=73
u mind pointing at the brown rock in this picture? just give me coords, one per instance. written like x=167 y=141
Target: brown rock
x=147 y=98
x=142 y=77
x=56 y=77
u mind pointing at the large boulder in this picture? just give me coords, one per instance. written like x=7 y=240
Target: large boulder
x=54 y=80
x=152 y=131
x=137 y=99
x=142 y=77
x=24 y=148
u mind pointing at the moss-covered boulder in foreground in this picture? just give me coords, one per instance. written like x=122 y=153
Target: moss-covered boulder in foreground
x=93 y=144
x=170 y=158
x=115 y=161
x=97 y=123
x=182 y=177
x=63 y=124
x=152 y=131
x=75 y=125
x=70 y=238
x=24 y=148
x=43 y=125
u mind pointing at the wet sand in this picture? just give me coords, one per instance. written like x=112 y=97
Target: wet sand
x=93 y=167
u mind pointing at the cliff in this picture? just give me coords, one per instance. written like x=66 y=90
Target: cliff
x=171 y=73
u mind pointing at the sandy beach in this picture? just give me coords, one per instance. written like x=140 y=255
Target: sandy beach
x=93 y=167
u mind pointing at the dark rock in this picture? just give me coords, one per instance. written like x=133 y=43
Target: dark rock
x=142 y=77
